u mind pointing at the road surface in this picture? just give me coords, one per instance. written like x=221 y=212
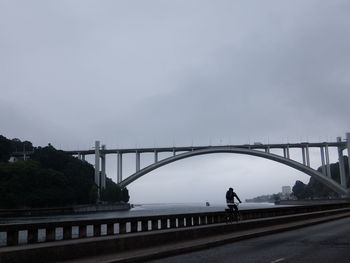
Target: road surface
x=322 y=243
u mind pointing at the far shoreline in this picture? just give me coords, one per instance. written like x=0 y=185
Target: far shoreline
x=65 y=210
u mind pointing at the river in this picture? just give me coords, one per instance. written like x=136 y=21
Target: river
x=138 y=210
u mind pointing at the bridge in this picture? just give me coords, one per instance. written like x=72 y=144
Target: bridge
x=256 y=149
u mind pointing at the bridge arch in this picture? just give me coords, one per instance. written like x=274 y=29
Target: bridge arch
x=227 y=149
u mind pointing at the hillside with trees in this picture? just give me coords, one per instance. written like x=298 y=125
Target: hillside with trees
x=49 y=178
x=315 y=189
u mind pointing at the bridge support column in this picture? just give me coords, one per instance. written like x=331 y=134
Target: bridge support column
x=97 y=164
x=137 y=161
x=286 y=152
x=267 y=149
x=174 y=153
x=322 y=161
x=328 y=167
x=303 y=155
x=83 y=157
x=155 y=156
x=103 y=169
x=348 y=146
x=79 y=156
x=120 y=168
x=307 y=156
x=341 y=165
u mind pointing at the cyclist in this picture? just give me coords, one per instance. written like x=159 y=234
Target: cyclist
x=230 y=198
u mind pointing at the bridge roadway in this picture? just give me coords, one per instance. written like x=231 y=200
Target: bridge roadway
x=342 y=144
x=322 y=243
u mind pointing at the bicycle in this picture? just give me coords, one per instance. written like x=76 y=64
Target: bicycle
x=232 y=214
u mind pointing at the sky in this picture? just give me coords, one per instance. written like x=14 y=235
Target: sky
x=178 y=73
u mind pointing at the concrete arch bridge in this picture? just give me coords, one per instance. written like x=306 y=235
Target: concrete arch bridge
x=256 y=149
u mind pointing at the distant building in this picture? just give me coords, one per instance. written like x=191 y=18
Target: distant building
x=13 y=159
x=286 y=190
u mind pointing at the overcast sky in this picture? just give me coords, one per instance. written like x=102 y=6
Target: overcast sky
x=164 y=73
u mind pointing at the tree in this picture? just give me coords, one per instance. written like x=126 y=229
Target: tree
x=125 y=195
x=299 y=190
x=112 y=193
x=50 y=178
x=5 y=149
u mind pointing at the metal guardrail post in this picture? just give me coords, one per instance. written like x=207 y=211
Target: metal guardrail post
x=110 y=229
x=12 y=238
x=32 y=236
x=173 y=222
x=144 y=225
x=51 y=234
x=67 y=232
x=181 y=221
x=122 y=227
x=133 y=227
x=154 y=224
x=82 y=231
x=164 y=223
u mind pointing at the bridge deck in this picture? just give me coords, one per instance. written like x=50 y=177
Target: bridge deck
x=193 y=148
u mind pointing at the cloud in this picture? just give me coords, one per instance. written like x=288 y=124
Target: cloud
x=180 y=73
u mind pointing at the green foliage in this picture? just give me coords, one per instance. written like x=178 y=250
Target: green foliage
x=26 y=184
x=5 y=149
x=79 y=174
x=125 y=195
x=50 y=178
x=315 y=189
x=18 y=146
x=299 y=190
x=113 y=193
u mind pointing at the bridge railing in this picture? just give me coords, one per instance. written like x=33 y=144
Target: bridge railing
x=29 y=233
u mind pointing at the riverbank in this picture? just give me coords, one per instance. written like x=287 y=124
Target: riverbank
x=66 y=210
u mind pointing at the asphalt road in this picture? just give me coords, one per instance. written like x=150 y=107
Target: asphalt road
x=322 y=243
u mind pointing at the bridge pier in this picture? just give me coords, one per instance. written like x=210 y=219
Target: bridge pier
x=323 y=165
x=341 y=165
x=348 y=146
x=103 y=169
x=286 y=152
x=303 y=155
x=137 y=161
x=328 y=167
x=155 y=156
x=267 y=149
x=307 y=156
x=120 y=168
x=97 y=165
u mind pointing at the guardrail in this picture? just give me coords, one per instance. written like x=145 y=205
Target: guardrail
x=23 y=233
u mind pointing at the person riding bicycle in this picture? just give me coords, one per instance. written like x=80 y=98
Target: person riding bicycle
x=230 y=200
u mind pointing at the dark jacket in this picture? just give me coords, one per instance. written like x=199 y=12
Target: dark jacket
x=230 y=197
